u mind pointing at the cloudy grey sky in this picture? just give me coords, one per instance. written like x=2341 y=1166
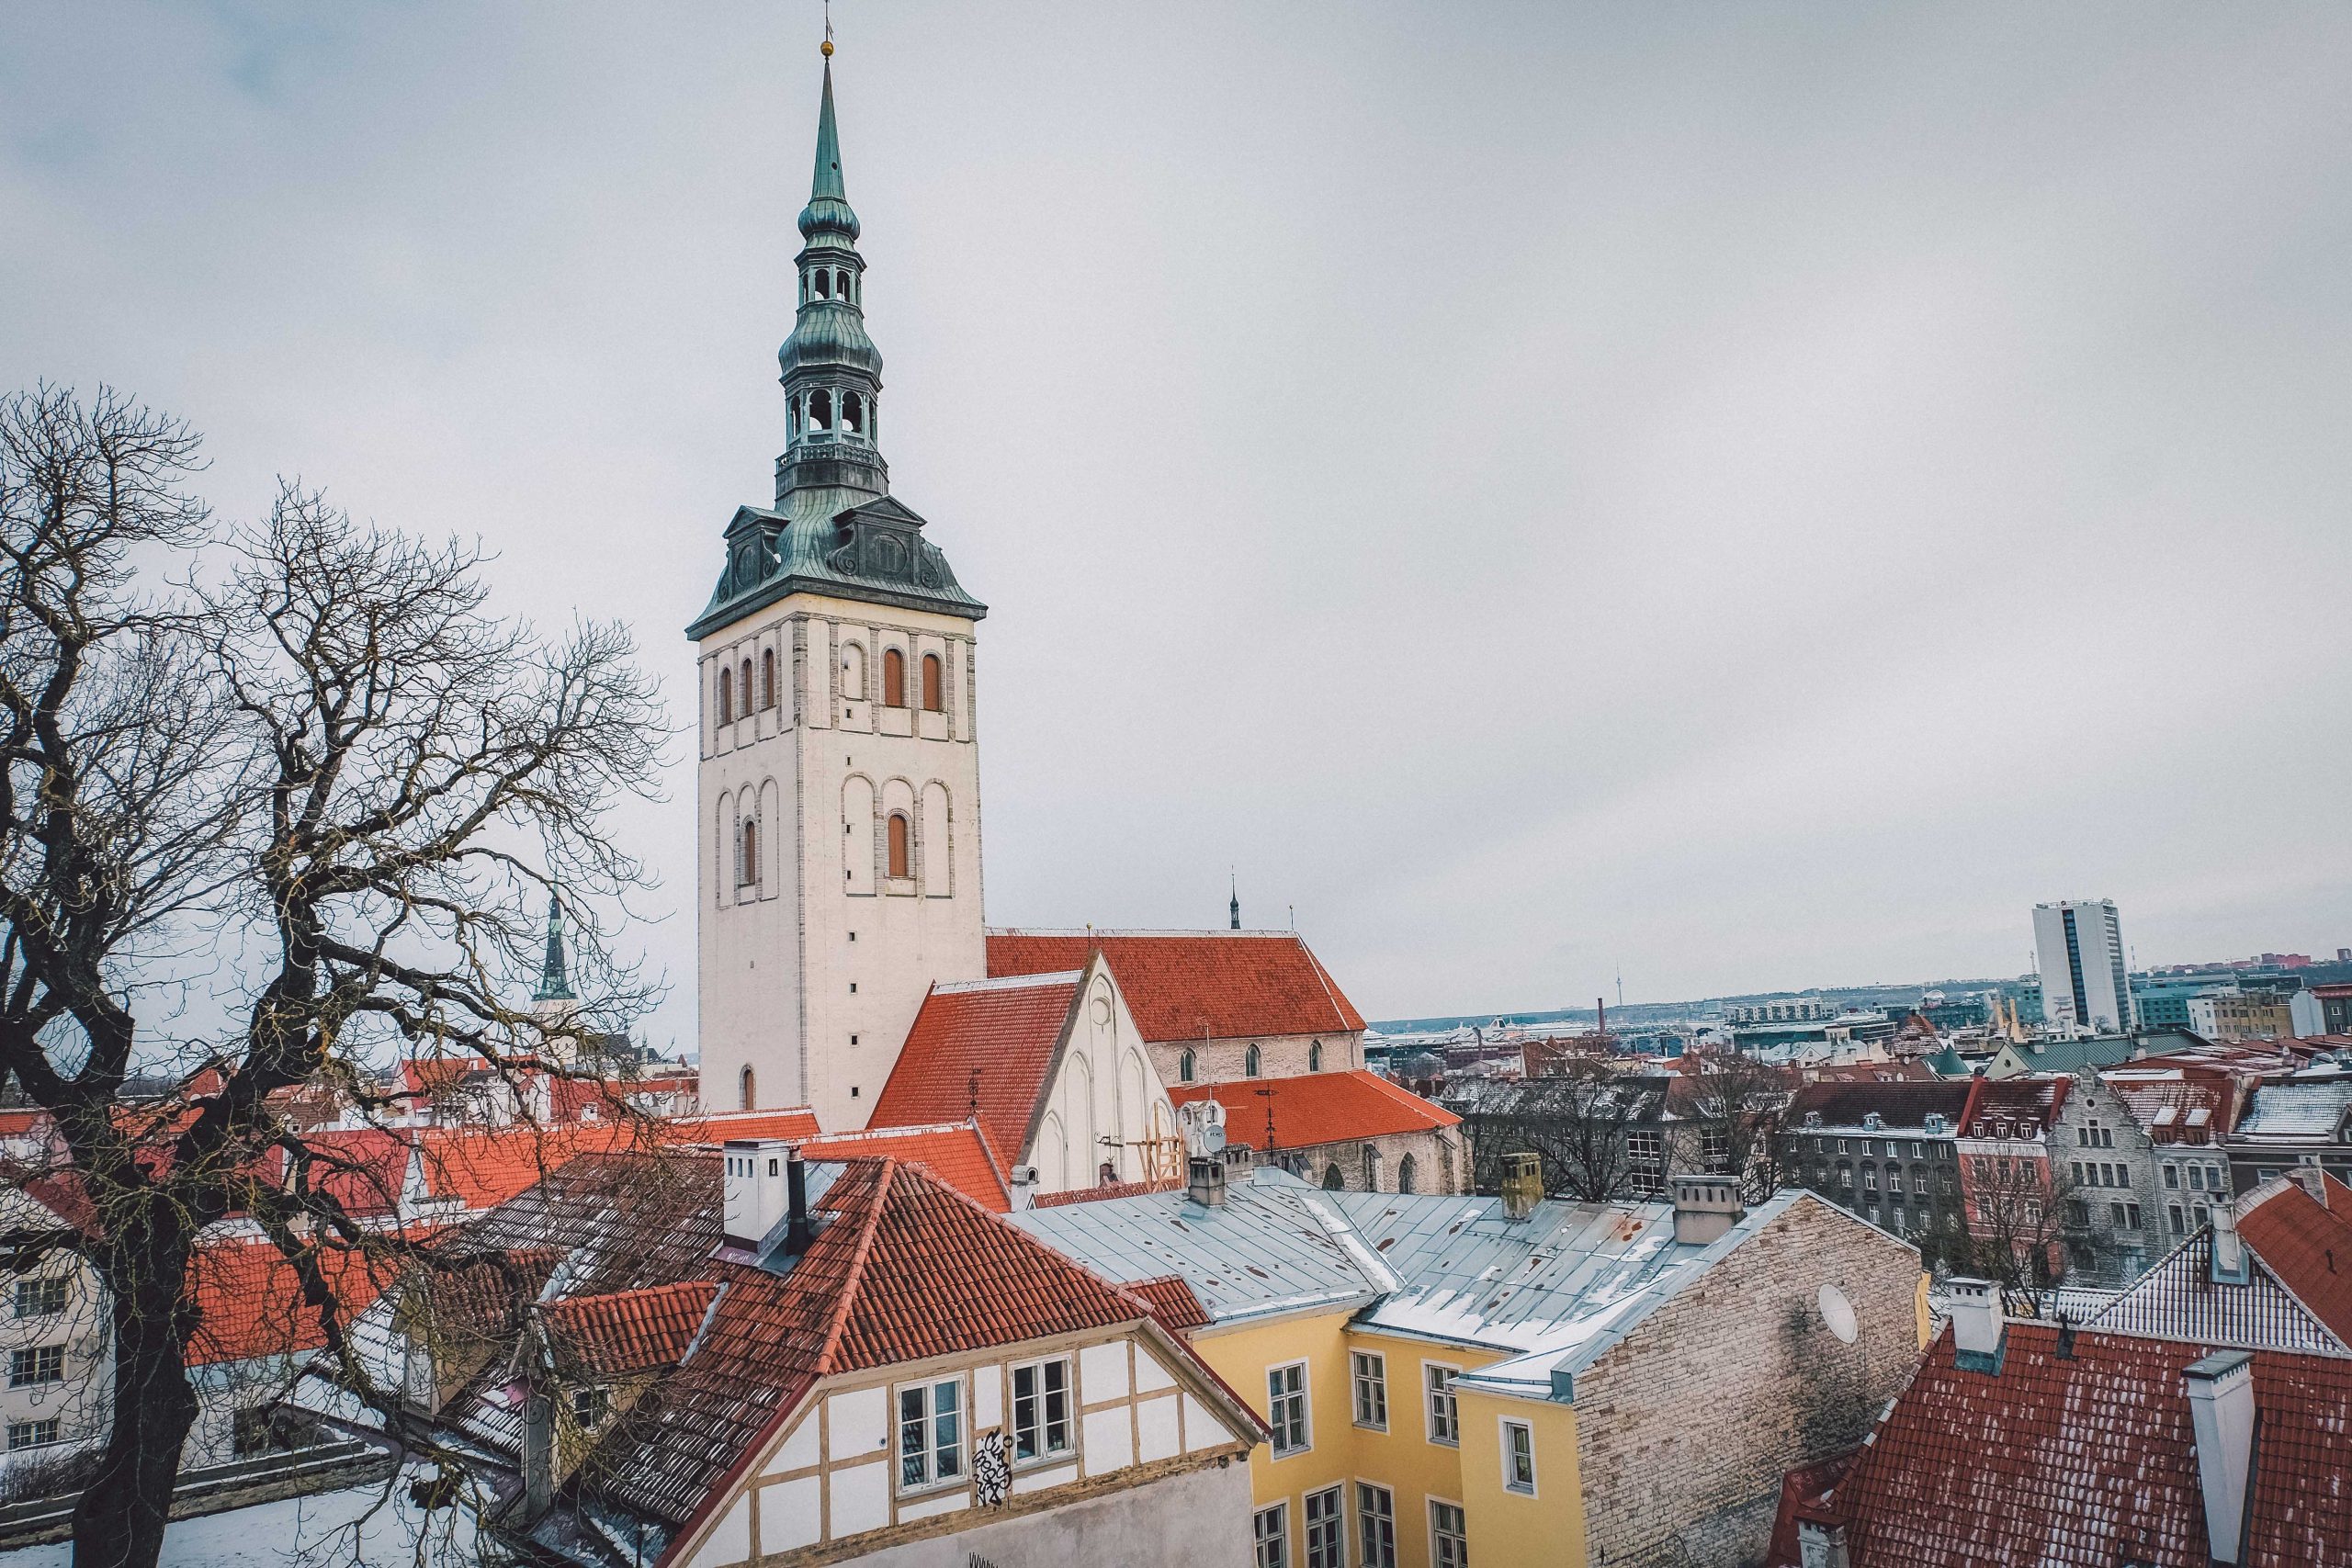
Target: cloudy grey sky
x=1753 y=495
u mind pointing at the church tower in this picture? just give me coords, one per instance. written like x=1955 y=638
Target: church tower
x=840 y=782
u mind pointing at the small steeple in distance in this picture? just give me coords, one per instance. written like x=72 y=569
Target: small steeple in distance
x=1233 y=906
x=555 y=979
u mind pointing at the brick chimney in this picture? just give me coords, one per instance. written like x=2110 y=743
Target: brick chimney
x=2221 y=1407
x=1705 y=1207
x=1979 y=1327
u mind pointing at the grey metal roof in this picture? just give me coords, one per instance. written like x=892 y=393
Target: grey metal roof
x=1274 y=1246
x=2298 y=1111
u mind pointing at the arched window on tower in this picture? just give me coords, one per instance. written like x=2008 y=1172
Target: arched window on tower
x=852 y=673
x=853 y=414
x=747 y=852
x=1250 y=1062
x=1315 y=1057
x=894 y=678
x=749 y=1090
x=1332 y=1180
x=820 y=409
x=767 y=677
x=934 y=688
x=824 y=283
x=1408 y=1178
x=1185 y=1068
x=747 y=688
x=726 y=695
x=899 y=859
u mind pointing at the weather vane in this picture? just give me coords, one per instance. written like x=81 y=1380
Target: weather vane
x=826 y=49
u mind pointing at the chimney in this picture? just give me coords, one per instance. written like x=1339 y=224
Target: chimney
x=2309 y=1180
x=2230 y=1265
x=1979 y=1329
x=1522 y=1184
x=1705 y=1207
x=2221 y=1405
x=796 y=1204
x=1821 y=1545
x=758 y=1195
x=1024 y=1188
x=1204 y=1180
x=538 y=1451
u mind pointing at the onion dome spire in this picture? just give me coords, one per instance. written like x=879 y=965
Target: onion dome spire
x=832 y=371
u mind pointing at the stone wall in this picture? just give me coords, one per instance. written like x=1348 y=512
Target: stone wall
x=1685 y=1430
x=1440 y=1163
x=1279 y=1056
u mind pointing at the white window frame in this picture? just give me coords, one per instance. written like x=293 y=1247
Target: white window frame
x=1371 y=1415
x=1373 y=1551
x=1431 y=1394
x=1505 y=1427
x=1262 y=1537
x=1460 y=1557
x=1047 y=1450
x=1334 y=1526
x=37 y=1432
x=1304 y=1394
x=936 y=1476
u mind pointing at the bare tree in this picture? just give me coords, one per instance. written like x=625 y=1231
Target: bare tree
x=326 y=777
x=2015 y=1216
x=1732 y=1103
x=1582 y=1123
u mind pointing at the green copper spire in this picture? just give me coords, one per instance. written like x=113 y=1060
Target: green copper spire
x=828 y=201
x=555 y=979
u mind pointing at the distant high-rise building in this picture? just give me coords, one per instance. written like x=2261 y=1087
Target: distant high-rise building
x=2084 y=982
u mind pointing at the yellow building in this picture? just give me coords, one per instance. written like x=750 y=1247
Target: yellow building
x=1448 y=1380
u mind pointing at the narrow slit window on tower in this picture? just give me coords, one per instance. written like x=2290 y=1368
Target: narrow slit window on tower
x=897 y=845
x=747 y=861
x=726 y=695
x=748 y=1091
x=747 y=688
x=935 y=694
x=767 y=677
x=894 y=678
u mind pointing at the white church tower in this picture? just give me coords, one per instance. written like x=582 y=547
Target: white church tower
x=840 y=783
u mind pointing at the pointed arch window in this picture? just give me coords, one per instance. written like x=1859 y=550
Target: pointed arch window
x=767 y=678
x=1186 y=1065
x=1315 y=1057
x=1408 y=1178
x=726 y=695
x=894 y=678
x=1332 y=1180
x=749 y=1088
x=934 y=685
x=1250 y=1062
x=897 y=845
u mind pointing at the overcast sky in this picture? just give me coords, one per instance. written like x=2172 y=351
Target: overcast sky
x=1754 y=496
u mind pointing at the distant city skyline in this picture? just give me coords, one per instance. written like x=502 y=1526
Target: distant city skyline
x=1726 y=497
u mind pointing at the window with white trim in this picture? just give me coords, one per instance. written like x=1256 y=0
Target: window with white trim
x=1376 y=1525
x=42 y=1298
x=1445 y=1423
x=34 y=1434
x=1449 y=1536
x=1270 y=1537
x=1040 y=1410
x=1286 y=1409
x=1371 y=1374
x=931 y=1434
x=40 y=1364
x=1327 y=1529
x=1518 y=1457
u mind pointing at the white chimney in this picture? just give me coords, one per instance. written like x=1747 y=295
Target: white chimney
x=757 y=1189
x=2230 y=1265
x=1025 y=1186
x=1978 y=1325
x=2221 y=1405
x=1705 y=1207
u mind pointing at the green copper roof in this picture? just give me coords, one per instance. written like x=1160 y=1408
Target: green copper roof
x=875 y=552
x=828 y=205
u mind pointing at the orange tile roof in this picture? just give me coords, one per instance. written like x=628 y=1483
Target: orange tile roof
x=1195 y=985
x=1172 y=1301
x=479 y=1167
x=2308 y=1244
x=982 y=1048
x=628 y=1331
x=1103 y=1192
x=249 y=1299
x=956 y=1153
x=1317 y=1108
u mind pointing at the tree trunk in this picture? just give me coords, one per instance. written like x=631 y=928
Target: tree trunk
x=120 y=1521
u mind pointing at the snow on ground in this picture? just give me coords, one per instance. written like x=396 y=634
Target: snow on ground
x=360 y=1526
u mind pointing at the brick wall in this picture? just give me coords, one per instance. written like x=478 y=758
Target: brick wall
x=1685 y=1430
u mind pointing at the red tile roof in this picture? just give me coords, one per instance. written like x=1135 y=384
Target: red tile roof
x=2019 y=1108
x=482 y=1166
x=364 y=1169
x=628 y=1331
x=1317 y=1108
x=956 y=1153
x=2168 y=1104
x=2307 y=1245
x=983 y=1048
x=249 y=1299
x=1195 y=985
x=1104 y=1190
x=1172 y=1301
x=2091 y=1461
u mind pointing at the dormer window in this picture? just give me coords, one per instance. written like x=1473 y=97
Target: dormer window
x=1873 y=1121
x=1935 y=1125
x=1813 y=1118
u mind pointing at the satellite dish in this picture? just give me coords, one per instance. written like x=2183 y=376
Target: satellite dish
x=1213 y=1139
x=1838 y=1313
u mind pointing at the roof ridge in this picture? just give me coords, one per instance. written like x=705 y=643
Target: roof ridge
x=854 y=1274
x=1005 y=983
